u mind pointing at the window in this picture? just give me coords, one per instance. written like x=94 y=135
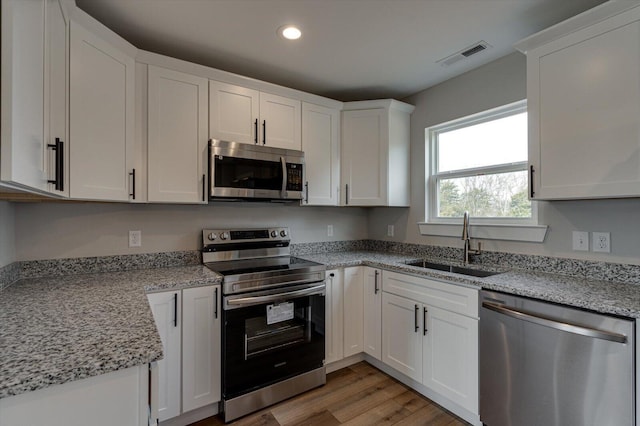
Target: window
x=479 y=164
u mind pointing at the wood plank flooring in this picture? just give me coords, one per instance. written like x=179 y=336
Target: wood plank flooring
x=356 y=395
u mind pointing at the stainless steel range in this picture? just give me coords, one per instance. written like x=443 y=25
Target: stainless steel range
x=273 y=315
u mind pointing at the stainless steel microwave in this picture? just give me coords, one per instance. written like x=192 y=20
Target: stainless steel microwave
x=243 y=171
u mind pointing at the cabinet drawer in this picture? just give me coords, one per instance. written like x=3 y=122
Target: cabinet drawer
x=443 y=295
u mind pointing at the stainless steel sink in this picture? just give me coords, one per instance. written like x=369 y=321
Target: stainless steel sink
x=455 y=269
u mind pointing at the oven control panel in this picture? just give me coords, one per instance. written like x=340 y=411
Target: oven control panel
x=226 y=236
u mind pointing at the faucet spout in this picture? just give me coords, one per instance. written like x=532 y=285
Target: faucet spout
x=467 y=240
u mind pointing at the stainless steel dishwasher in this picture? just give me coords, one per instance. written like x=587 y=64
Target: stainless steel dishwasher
x=545 y=364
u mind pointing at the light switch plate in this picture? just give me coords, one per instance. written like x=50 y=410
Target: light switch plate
x=580 y=241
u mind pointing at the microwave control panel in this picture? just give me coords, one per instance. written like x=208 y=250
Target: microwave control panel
x=294 y=177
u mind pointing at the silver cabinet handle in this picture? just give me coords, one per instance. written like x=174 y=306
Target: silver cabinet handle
x=558 y=325
x=319 y=289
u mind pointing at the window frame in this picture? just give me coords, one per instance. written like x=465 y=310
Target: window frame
x=431 y=139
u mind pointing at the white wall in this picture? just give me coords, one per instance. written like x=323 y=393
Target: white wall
x=61 y=230
x=7 y=233
x=498 y=83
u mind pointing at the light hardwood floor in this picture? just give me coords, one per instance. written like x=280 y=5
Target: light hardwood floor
x=356 y=395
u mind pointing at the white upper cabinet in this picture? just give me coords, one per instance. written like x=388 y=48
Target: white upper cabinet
x=233 y=112
x=244 y=115
x=177 y=137
x=101 y=117
x=375 y=153
x=583 y=90
x=320 y=143
x=56 y=99
x=281 y=120
x=23 y=144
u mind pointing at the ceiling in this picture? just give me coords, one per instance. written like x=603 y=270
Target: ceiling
x=349 y=50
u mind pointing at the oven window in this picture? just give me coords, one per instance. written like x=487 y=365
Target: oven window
x=244 y=173
x=260 y=349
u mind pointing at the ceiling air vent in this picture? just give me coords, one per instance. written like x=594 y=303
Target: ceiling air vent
x=464 y=53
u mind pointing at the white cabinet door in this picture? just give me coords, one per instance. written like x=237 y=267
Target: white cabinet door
x=450 y=354
x=364 y=164
x=584 y=102
x=373 y=312
x=320 y=143
x=353 y=285
x=334 y=319
x=23 y=144
x=233 y=113
x=177 y=145
x=166 y=308
x=101 y=117
x=280 y=119
x=56 y=98
x=402 y=335
x=201 y=351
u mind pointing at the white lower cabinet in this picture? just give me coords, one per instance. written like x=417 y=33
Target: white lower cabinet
x=201 y=337
x=430 y=334
x=401 y=337
x=166 y=308
x=343 y=313
x=450 y=356
x=372 y=325
x=353 y=286
x=117 y=398
x=334 y=319
x=189 y=323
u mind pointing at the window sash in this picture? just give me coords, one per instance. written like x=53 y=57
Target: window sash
x=434 y=176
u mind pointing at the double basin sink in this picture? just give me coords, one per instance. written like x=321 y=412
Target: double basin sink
x=454 y=269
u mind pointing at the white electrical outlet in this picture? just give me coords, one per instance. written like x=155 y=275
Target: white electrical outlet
x=135 y=238
x=580 y=241
x=601 y=242
x=390 y=230
x=329 y=230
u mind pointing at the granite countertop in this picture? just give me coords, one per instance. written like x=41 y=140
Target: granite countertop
x=59 y=329
x=617 y=298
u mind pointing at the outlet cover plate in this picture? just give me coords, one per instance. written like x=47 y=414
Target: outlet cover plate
x=135 y=238
x=601 y=242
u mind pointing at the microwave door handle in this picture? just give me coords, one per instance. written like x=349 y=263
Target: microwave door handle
x=283 y=192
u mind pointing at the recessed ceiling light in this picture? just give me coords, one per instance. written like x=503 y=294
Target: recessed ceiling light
x=290 y=32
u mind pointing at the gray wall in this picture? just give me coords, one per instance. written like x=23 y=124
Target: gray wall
x=7 y=234
x=498 y=83
x=60 y=230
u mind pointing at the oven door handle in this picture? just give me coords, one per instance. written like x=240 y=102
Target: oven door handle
x=244 y=301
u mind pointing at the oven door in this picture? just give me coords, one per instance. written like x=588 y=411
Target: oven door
x=270 y=336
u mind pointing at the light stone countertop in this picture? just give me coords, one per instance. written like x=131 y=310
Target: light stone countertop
x=55 y=330
x=616 y=298
x=58 y=329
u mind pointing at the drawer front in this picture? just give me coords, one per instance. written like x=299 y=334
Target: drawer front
x=443 y=295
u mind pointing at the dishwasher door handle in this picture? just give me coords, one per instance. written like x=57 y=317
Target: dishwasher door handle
x=558 y=325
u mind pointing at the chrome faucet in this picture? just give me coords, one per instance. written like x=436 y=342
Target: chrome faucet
x=467 y=240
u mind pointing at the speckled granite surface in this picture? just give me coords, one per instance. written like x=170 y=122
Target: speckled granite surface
x=58 y=329
x=617 y=298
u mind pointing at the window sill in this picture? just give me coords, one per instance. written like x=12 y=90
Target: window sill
x=528 y=233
